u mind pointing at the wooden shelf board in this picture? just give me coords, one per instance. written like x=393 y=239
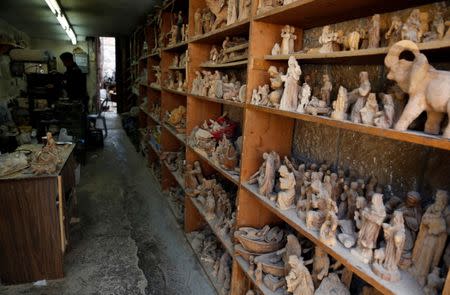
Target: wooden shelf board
x=179 y=179
x=363 y=55
x=226 y=241
x=233 y=178
x=181 y=137
x=221 y=101
x=152 y=116
x=154 y=149
x=238 y=28
x=176 y=47
x=209 y=271
x=156 y=54
x=261 y=287
x=174 y=91
x=143 y=85
x=314 y=13
x=404 y=136
x=407 y=285
x=145 y=111
x=225 y=65
x=155 y=87
x=177 y=68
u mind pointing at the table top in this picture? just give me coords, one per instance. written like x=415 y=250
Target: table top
x=64 y=150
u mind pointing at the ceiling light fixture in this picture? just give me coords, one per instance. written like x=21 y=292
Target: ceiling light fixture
x=61 y=17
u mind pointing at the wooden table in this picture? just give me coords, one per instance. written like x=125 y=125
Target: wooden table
x=34 y=220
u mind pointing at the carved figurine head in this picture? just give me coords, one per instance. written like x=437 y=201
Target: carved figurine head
x=273 y=72
x=441 y=200
x=413 y=199
x=363 y=77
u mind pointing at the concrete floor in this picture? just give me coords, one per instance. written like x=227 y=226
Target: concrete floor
x=128 y=241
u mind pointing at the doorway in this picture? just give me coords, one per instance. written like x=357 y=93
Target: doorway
x=107 y=74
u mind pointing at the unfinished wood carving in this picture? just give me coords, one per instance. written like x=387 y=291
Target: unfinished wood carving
x=286 y=195
x=430 y=242
x=394 y=234
x=299 y=280
x=428 y=88
x=340 y=105
x=372 y=218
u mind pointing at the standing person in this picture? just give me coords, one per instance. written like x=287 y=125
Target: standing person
x=75 y=80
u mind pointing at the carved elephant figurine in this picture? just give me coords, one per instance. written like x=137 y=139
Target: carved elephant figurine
x=428 y=88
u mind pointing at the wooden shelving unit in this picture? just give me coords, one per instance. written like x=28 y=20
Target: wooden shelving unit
x=265 y=129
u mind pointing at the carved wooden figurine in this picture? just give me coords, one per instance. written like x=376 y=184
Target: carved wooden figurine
x=394 y=234
x=289 y=100
x=428 y=88
x=328 y=229
x=244 y=9
x=411 y=28
x=325 y=91
x=321 y=265
x=370 y=109
x=430 y=242
x=340 y=105
x=412 y=214
x=374 y=32
x=276 y=84
x=372 y=218
x=285 y=39
x=358 y=97
x=434 y=282
x=329 y=41
x=299 y=280
x=266 y=173
x=394 y=32
x=385 y=118
x=198 y=28
x=286 y=195
x=220 y=11
x=303 y=96
x=232 y=13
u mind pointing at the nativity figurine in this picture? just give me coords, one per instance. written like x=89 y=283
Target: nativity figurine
x=385 y=118
x=393 y=35
x=299 y=280
x=357 y=98
x=374 y=32
x=372 y=218
x=431 y=239
x=340 y=105
x=325 y=91
x=394 y=234
x=289 y=99
x=286 y=195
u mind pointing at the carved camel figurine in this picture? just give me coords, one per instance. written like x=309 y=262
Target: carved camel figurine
x=428 y=88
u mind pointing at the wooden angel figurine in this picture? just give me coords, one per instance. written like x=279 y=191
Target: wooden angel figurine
x=289 y=100
x=430 y=242
x=394 y=234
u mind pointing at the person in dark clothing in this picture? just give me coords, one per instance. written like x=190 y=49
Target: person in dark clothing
x=75 y=80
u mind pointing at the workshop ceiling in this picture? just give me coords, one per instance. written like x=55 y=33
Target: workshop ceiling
x=106 y=18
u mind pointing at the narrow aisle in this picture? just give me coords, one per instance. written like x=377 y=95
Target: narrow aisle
x=128 y=242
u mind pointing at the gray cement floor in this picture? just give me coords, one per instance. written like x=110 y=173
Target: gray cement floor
x=127 y=242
